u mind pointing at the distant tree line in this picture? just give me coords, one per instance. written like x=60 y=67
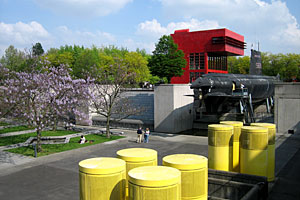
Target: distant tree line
x=83 y=62
x=167 y=61
x=286 y=65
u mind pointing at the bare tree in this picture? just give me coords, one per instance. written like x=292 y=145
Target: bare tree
x=107 y=95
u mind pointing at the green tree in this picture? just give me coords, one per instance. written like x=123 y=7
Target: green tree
x=114 y=51
x=143 y=53
x=238 y=65
x=37 y=49
x=232 y=65
x=167 y=61
x=13 y=59
x=137 y=64
x=87 y=64
x=75 y=50
x=56 y=59
x=286 y=65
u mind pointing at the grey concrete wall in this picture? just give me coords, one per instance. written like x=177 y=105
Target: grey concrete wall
x=172 y=109
x=287 y=107
x=145 y=99
x=139 y=98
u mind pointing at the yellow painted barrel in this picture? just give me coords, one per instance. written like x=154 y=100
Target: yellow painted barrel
x=271 y=148
x=102 y=178
x=194 y=175
x=154 y=182
x=235 y=143
x=137 y=157
x=254 y=150
x=220 y=147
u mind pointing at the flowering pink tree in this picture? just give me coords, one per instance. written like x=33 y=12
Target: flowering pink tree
x=5 y=108
x=107 y=95
x=42 y=97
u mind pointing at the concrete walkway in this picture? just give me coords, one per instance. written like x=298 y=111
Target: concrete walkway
x=55 y=176
x=16 y=133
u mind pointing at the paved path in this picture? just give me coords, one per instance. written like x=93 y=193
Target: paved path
x=287 y=183
x=55 y=176
x=16 y=133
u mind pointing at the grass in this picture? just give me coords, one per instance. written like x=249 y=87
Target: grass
x=3 y=124
x=55 y=148
x=14 y=129
x=22 y=138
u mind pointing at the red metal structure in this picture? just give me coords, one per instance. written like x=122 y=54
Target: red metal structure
x=206 y=51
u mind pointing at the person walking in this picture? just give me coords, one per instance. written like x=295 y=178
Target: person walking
x=146 y=135
x=139 y=134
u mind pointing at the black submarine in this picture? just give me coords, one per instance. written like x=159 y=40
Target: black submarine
x=217 y=94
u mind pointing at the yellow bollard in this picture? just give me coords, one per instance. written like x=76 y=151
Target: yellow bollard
x=271 y=148
x=220 y=147
x=102 y=178
x=235 y=143
x=194 y=175
x=254 y=150
x=154 y=182
x=137 y=157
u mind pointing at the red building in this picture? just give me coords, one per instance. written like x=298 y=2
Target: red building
x=206 y=51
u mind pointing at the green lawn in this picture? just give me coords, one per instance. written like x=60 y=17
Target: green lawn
x=22 y=138
x=55 y=148
x=14 y=129
x=3 y=124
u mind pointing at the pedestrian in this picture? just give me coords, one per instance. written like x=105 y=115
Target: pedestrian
x=146 y=135
x=82 y=140
x=139 y=134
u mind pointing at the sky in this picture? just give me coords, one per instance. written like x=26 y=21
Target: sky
x=132 y=24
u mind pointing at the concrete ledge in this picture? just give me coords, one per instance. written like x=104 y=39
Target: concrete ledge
x=124 y=123
x=235 y=186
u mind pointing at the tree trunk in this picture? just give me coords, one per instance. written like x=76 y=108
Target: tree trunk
x=107 y=127
x=54 y=127
x=169 y=79
x=38 y=140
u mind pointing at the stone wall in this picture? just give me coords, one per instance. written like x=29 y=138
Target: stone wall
x=140 y=98
x=287 y=107
x=145 y=99
x=173 y=105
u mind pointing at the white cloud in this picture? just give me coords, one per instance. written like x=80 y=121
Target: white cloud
x=133 y=44
x=64 y=35
x=151 y=28
x=22 y=34
x=149 y=32
x=271 y=24
x=155 y=29
x=84 y=8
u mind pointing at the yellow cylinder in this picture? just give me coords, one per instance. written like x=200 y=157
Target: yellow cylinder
x=220 y=147
x=154 y=182
x=271 y=148
x=235 y=143
x=194 y=175
x=102 y=178
x=254 y=150
x=137 y=157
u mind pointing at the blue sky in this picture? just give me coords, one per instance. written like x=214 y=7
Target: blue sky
x=140 y=23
